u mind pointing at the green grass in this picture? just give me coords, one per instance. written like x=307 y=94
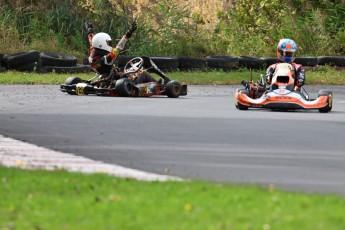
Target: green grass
x=323 y=75
x=61 y=200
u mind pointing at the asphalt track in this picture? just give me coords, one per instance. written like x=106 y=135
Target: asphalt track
x=200 y=136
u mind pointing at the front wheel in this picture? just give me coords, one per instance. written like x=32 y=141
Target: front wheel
x=329 y=105
x=72 y=81
x=173 y=89
x=238 y=105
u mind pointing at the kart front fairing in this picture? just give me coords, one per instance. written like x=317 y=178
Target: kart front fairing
x=283 y=99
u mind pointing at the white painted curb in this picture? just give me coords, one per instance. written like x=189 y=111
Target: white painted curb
x=14 y=153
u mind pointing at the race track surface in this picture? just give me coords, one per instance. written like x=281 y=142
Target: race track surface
x=200 y=136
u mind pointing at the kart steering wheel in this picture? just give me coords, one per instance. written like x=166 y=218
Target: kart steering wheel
x=134 y=65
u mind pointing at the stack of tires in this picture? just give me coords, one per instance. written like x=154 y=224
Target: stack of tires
x=61 y=63
x=42 y=62
x=24 y=61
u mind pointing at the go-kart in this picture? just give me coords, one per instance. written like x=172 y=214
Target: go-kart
x=124 y=84
x=282 y=94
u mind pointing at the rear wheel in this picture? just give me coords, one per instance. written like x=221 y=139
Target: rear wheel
x=173 y=89
x=124 y=87
x=329 y=105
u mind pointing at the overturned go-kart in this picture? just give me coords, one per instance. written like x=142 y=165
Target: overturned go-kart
x=281 y=94
x=124 y=84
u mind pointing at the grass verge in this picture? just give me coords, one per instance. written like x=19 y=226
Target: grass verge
x=322 y=75
x=60 y=200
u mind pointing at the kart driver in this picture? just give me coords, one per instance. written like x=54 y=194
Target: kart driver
x=102 y=54
x=286 y=50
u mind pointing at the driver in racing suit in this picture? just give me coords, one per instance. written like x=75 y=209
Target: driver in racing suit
x=286 y=50
x=102 y=54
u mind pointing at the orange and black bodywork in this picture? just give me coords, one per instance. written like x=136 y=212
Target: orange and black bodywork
x=282 y=94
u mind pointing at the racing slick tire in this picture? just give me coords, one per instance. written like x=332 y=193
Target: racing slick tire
x=71 y=81
x=239 y=105
x=173 y=89
x=124 y=87
x=329 y=105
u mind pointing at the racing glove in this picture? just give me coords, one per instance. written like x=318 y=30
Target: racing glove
x=301 y=78
x=131 y=30
x=269 y=75
x=89 y=27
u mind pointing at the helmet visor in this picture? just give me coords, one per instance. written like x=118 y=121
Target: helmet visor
x=289 y=54
x=109 y=43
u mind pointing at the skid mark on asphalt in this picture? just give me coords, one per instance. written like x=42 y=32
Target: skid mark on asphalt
x=14 y=153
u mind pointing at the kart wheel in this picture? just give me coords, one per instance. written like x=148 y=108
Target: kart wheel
x=173 y=89
x=239 y=105
x=242 y=107
x=329 y=105
x=72 y=81
x=124 y=87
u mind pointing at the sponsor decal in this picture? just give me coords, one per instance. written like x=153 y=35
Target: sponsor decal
x=283 y=97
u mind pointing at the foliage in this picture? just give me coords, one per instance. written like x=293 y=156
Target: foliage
x=254 y=27
x=248 y=28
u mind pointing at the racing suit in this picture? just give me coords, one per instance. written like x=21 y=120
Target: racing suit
x=103 y=61
x=299 y=74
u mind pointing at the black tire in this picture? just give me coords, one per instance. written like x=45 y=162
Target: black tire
x=166 y=63
x=252 y=62
x=239 y=105
x=191 y=63
x=74 y=69
x=306 y=61
x=222 y=62
x=19 y=59
x=173 y=89
x=270 y=61
x=73 y=80
x=29 y=67
x=124 y=87
x=329 y=105
x=331 y=60
x=57 y=59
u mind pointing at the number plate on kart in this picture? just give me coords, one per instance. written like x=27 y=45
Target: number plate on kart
x=80 y=88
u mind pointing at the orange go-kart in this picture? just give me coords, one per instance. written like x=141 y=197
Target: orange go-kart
x=282 y=94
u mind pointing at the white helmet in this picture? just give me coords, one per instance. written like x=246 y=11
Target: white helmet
x=102 y=41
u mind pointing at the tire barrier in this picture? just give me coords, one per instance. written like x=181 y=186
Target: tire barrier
x=338 y=61
x=79 y=68
x=306 y=61
x=2 y=63
x=190 y=63
x=222 y=62
x=166 y=63
x=43 y=62
x=18 y=60
x=252 y=62
x=57 y=59
x=271 y=60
